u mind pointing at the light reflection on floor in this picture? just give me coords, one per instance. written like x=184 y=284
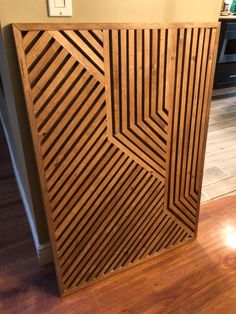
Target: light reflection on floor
x=229 y=234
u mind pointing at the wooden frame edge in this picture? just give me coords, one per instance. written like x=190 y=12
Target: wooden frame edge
x=214 y=58
x=106 y=26
x=35 y=139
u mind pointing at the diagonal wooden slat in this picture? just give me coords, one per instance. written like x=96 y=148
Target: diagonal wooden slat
x=43 y=62
x=68 y=46
x=94 y=41
x=84 y=46
x=30 y=38
x=39 y=44
x=118 y=115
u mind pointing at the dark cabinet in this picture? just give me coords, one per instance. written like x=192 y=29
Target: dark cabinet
x=225 y=75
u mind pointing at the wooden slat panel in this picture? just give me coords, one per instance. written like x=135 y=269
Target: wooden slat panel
x=118 y=115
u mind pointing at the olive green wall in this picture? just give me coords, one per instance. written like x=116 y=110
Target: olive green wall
x=14 y=11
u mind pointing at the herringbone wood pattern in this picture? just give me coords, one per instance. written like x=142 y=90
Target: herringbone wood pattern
x=118 y=118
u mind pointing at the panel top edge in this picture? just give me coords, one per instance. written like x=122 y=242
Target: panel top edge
x=110 y=26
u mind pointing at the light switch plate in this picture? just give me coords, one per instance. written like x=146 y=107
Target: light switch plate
x=59 y=7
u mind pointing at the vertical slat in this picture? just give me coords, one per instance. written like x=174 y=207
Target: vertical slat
x=131 y=56
x=108 y=79
x=124 y=79
x=172 y=193
x=154 y=64
x=146 y=74
x=161 y=71
x=169 y=97
x=183 y=110
x=139 y=75
x=190 y=165
x=185 y=197
x=200 y=103
x=116 y=81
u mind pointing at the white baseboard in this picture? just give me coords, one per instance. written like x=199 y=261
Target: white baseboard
x=45 y=254
x=20 y=185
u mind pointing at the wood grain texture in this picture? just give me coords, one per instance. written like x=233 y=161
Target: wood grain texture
x=118 y=117
x=102 y=26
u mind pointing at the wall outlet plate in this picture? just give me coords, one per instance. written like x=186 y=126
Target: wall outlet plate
x=59 y=7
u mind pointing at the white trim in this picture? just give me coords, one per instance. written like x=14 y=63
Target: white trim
x=44 y=251
x=21 y=188
x=45 y=254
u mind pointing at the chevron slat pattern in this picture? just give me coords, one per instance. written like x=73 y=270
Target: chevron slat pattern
x=118 y=116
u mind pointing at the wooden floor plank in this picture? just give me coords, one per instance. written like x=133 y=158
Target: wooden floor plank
x=220 y=171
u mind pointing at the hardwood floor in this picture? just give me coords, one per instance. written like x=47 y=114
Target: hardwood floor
x=220 y=170
x=197 y=278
